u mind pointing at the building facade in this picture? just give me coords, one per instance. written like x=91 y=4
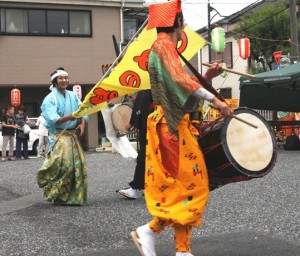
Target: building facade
x=36 y=37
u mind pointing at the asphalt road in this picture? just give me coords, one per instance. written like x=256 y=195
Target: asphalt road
x=257 y=217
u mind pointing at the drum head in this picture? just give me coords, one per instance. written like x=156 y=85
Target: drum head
x=252 y=150
x=121 y=116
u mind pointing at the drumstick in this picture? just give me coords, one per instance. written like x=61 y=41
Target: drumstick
x=236 y=117
x=244 y=121
x=232 y=71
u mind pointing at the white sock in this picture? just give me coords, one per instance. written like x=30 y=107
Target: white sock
x=146 y=229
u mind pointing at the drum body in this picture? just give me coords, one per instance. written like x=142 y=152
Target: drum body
x=235 y=151
x=117 y=100
x=120 y=117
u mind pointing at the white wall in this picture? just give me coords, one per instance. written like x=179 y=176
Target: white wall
x=232 y=80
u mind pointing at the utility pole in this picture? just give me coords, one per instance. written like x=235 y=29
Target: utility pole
x=294 y=32
x=208 y=31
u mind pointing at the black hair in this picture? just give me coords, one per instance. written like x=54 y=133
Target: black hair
x=179 y=16
x=8 y=107
x=21 y=107
x=54 y=81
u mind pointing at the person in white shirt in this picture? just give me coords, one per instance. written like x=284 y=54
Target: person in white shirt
x=43 y=146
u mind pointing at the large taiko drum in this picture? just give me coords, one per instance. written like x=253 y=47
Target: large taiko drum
x=235 y=151
x=120 y=117
x=117 y=100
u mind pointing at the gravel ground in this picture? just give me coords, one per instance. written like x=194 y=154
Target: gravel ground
x=257 y=217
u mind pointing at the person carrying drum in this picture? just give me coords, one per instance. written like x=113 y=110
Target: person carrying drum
x=176 y=180
x=115 y=116
x=143 y=106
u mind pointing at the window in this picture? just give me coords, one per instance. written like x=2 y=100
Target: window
x=2 y=20
x=16 y=21
x=80 y=23
x=45 y=22
x=130 y=28
x=225 y=57
x=133 y=20
x=37 y=21
x=226 y=93
x=57 y=22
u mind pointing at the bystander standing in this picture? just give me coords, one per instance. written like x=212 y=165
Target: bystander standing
x=21 y=137
x=8 y=132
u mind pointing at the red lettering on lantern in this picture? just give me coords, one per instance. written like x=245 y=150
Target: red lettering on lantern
x=130 y=79
x=15 y=97
x=77 y=90
x=143 y=60
x=102 y=95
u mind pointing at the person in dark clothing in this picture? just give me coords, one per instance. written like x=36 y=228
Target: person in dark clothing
x=8 y=132
x=143 y=106
x=21 y=137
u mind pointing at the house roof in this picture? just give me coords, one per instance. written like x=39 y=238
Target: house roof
x=140 y=12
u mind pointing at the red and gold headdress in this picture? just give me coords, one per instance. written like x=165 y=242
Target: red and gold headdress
x=163 y=14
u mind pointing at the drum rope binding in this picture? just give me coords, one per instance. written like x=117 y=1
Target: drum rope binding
x=208 y=149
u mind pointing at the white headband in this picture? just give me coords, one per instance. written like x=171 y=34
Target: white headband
x=59 y=73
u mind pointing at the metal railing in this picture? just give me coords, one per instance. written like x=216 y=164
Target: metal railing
x=131 y=136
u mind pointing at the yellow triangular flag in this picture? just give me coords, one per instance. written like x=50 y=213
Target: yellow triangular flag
x=131 y=74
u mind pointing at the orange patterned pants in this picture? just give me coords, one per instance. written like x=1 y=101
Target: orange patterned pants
x=176 y=182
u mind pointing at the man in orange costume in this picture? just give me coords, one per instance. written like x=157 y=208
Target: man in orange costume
x=176 y=180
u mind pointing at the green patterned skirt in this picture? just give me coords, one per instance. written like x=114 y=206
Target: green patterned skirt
x=63 y=175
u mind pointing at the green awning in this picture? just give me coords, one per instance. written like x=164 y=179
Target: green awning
x=273 y=90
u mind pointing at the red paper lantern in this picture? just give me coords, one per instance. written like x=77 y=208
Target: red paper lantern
x=244 y=48
x=15 y=97
x=77 y=90
x=277 y=56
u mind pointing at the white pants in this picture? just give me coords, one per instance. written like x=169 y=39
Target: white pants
x=43 y=146
x=121 y=144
